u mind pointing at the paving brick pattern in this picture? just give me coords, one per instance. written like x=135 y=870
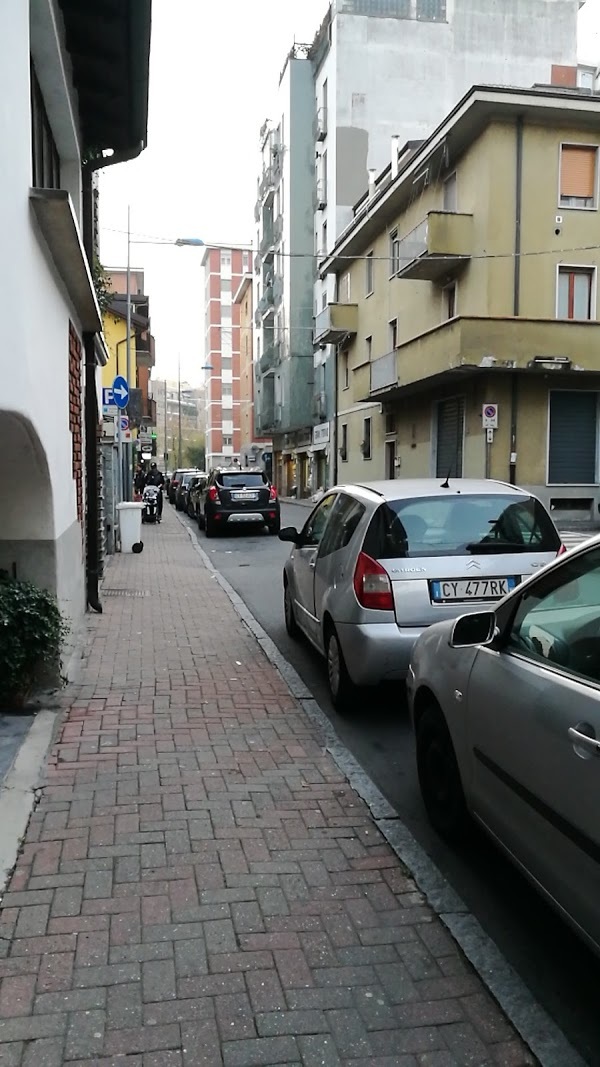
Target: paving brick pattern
x=199 y=885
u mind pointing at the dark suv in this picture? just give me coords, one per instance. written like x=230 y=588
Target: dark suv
x=232 y=497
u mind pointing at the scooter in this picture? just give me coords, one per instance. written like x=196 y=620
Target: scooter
x=150 y=502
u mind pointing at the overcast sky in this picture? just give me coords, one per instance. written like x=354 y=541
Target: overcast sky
x=214 y=72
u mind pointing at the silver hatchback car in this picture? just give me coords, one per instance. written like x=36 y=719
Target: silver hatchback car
x=376 y=564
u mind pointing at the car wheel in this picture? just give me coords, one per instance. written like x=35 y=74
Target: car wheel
x=210 y=527
x=288 y=610
x=341 y=687
x=274 y=527
x=439 y=776
x=200 y=518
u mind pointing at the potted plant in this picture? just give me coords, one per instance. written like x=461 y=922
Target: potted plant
x=32 y=632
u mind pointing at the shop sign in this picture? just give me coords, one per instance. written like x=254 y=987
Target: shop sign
x=321 y=434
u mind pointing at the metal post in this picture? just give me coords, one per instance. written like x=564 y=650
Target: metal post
x=166 y=446
x=179 y=407
x=128 y=487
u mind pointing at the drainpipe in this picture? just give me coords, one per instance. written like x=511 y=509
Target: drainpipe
x=90 y=395
x=516 y=294
x=335 y=416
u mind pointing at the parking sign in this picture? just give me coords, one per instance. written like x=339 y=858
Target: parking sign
x=489 y=416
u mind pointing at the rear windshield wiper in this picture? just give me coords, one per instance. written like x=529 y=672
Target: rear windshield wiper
x=498 y=546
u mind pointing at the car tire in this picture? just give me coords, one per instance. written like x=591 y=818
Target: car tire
x=342 y=689
x=200 y=518
x=439 y=776
x=274 y=528
x=210 y=528
x=288 y=611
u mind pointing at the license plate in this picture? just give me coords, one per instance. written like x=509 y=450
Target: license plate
x=244 y=496
x=471 y=588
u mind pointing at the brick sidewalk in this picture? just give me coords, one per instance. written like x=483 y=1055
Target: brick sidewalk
x=199 y=884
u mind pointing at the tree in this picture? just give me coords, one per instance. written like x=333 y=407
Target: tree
x=195 y=453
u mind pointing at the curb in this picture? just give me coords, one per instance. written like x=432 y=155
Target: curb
x=536 y=1027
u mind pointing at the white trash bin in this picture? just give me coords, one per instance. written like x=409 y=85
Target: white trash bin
x=130 y=525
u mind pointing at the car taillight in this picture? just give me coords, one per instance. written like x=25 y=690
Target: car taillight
x=174 y=483
x=561 y=550
x=372 y=584
x=272 y=493
x=214 y=495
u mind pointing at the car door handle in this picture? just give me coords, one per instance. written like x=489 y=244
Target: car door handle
x=589 y=743
x=312 y=564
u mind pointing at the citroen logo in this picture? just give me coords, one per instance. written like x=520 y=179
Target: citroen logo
x=473 y=565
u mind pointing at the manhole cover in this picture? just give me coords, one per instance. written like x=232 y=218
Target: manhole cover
x=125 y=592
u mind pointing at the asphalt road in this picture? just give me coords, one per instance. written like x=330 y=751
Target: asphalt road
x=562 y=975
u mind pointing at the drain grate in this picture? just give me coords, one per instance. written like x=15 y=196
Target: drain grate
x=126 y=592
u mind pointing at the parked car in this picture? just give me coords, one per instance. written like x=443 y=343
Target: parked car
x=184 y=482
x=374 y=565
x=231 y=497
x=194 y=495
x=506 y=711
x=175 y=480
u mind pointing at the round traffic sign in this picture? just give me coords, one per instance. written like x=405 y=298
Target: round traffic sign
x=490 y=411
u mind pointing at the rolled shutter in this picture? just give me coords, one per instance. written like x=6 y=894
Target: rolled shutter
x=573 y=438
x=450 y=432
x=578 y=171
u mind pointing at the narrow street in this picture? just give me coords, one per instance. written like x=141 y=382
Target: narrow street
x=561 y=974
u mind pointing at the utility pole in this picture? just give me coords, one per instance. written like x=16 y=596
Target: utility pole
x=166 y=445
x=128 y=485
x=179 y=406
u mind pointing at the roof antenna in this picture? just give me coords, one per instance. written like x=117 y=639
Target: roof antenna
x=446 y=484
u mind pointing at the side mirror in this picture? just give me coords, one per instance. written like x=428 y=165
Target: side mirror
x=289 y=533
x=471 y=630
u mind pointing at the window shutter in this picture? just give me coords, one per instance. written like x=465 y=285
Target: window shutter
x=578 y=171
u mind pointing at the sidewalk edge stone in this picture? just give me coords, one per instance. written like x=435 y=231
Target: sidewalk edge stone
x=536 y=1027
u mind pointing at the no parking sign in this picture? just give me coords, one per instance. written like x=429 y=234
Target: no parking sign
x=489 y=416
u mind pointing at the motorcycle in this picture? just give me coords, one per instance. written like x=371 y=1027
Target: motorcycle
x=150 y=504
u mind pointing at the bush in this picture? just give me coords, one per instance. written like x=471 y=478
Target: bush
x=32 y=632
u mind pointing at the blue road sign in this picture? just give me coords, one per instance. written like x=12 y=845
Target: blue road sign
x=107 y=397
x=120 y=390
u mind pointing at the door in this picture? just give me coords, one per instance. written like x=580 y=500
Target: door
x=450 y=434
x=304 y=558
x=534 y=736
x=572 y=440
x=390 y=459
x=333 y=571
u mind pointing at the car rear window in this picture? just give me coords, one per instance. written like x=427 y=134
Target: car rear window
x=241 y=480
x=460 y=525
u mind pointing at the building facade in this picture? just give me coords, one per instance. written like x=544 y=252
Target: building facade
x=55 y=64
x=381 y=74
x=254 y=450
x=224 y=269
x=466 y=321
x=180 y=411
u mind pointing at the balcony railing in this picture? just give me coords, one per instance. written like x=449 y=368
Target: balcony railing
x=335 y=323
x=266 y=302
x=268 y=182
x=269 y=415
x=320 y=405
x=267 y=241
x=438 y=246
x=278 y=290
x=270 y=358
x=321 y=195
x=278 y=229
x=384 y=372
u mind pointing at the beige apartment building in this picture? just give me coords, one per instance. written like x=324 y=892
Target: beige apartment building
x=254 y=450
x=468 y=281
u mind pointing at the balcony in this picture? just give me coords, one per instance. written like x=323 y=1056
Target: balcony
x=266 y=303
x=320 y=406
x=480 y=345
x=267 y=241
x=335 y=323
x=277 y=290
x=269 y=416
x=439 y=246
x=257 y=263
x=268 y=182
x=144 y=350
x=270 y=358
x=278 y=229
x=320 y=124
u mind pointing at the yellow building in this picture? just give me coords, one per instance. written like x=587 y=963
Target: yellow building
x=115 y=333
x=468 y=279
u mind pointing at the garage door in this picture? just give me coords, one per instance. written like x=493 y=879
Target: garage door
x=450 y=433
x=573 y=445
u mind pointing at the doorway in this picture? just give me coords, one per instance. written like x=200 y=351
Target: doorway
x=390 y=459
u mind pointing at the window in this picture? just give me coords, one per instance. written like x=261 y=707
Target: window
x=225 y=285
x=557 y=618
x=345 y=371
x=431 y=10
x=345 y=518
x=225 y=258
x=572 y=438
x=366 y=441
x=246 y=261
x=344 y=288
x=227 y=440
x=449 y=297
x=368 y=347
x=393 y=334
x=315 y=527
x=578 y=178
x=444 y=526
x=394 y=253
x=344 y=444
x=45 y=160
x=324 y=239
x=240 y=479
x=450 y=193
x=369 y=275
x=450 y=433
x=226 y=390
x=575 y=292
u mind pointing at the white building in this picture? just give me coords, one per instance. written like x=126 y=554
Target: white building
x=55 y=61
x=384 y=73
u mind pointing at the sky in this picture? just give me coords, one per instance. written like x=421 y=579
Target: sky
x=214 y=72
